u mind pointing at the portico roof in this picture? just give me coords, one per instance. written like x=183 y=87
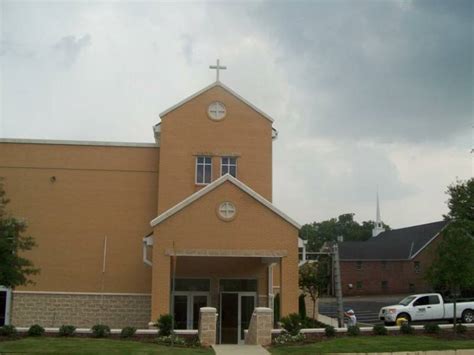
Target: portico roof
x=227 y=177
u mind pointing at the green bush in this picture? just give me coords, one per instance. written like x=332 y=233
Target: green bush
x=128 y=332
x=302 y=306
x=461 y=329
x=432 y=328
x=379 y=329
x=67 y=330
x=164 y=325
x=330 y=331
x=406 y=328
x=7 y=331
x=353 y=330
x=311 y=323
x=170 y=339
x=287 y=338
x=35 y=330
x=100 y=331
x=292 y=323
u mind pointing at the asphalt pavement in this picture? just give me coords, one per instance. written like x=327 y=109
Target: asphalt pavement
x=366 y=308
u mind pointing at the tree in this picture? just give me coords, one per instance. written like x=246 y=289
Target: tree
x=313 y=280
x=317 y=233
x=453 y=265
x=14 y=269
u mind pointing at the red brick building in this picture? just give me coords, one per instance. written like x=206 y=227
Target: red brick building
x=391 y=262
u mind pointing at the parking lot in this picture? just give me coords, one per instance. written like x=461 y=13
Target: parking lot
x=366 y=308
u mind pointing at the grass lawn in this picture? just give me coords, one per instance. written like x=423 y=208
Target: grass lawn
x=91 y=346
x=375 y=344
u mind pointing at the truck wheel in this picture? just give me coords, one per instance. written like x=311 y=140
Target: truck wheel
x=468 y=316
x=404 y=315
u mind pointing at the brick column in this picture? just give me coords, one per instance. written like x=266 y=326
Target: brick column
x=161 y=274
x=289 y=290
x=207 y=325
x=260 y=329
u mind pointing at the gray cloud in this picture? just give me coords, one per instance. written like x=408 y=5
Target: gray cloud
x=70 y=47
x=378 y=70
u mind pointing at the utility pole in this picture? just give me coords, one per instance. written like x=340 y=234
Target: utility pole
x=337 y=284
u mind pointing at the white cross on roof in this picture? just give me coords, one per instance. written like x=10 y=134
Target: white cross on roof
x=217 y=67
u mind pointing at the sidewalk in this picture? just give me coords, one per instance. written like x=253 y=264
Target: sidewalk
x=230 y=349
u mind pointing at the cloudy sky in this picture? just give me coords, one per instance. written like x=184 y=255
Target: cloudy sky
x=364 y=93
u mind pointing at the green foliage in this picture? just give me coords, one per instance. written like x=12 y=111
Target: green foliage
x=451 y=270
x=164 y=325
x=302 y=306
x=276 y=309
x=313 y=279
x=353 y=330
x=100 y=331
x=307 y=322
x=461 y=329
x=287 y=338
x=292 y=323
x=407 y=329
x=67 y=330
x=14 y=269
x=35 y=330
x=128 y=332
x=7 y=331
x=379 y=329
x=330 y=331
x=432 y=328
x=170 y=339
x=317 y=233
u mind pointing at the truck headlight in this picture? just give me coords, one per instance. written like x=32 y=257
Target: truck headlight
x=391 y=310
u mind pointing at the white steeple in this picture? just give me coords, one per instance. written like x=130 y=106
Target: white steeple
x=378 y=228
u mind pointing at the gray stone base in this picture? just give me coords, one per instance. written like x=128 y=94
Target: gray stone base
x=81 y=309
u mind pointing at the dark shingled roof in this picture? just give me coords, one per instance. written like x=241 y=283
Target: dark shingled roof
x=396 y=244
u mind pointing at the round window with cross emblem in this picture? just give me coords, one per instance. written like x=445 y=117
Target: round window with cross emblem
x=216 y=111
x=226 y=211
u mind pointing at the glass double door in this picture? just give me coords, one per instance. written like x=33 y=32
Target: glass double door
x=236 y=312
x=186 y=308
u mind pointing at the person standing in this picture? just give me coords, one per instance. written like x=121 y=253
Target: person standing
x=352 y=319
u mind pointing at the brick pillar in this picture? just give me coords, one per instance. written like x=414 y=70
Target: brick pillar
x=260 y=329
x=161 y=275
x=207 y=325
x=289 y=290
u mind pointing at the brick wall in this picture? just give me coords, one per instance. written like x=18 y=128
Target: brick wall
x=80 y=310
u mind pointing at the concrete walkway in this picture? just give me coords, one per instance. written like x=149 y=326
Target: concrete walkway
x=230 y=349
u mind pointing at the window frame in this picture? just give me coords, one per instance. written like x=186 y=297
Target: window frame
x=196 y=164
x=229 y=165
x=417 y=267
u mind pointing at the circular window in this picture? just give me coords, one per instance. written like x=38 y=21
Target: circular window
x=216 y=111
x=226 y=210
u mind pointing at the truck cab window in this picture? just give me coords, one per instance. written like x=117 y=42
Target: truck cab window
x=434 y=299
x=422 y=301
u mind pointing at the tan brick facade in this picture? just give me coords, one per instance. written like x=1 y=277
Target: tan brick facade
x=80 y=310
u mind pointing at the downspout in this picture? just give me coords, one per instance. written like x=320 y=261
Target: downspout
x=147 y=241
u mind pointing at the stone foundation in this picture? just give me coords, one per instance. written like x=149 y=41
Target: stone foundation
x=260 y=329
x=81 y=309
x=207 y=325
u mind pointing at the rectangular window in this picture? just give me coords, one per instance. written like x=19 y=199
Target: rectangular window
x=359 y=265
x=241 y=285
x=203 y=170
x=384 y=285
x=229 y=166
x=411 y=287
x=359 y=285
x=192 y=285
x=384 y=265
x=417 y=267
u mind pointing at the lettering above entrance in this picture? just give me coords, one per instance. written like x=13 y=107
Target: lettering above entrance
x=227 y=252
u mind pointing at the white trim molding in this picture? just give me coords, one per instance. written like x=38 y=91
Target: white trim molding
x=82 y=293
x=217 y=83
x=212 y=186
x=87 y=143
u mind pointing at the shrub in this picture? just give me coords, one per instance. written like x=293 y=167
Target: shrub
x=164 y=325
x=353 y=330
x=379 y=329
x=287 y=338
x=461 y=329
x=7 y=331
x=100 y=331
x=67 y=330
x=168 y=339
x=292 y=323
x=431 y=328
x=128 y=332
x=330 y=331
x=35 y=330
x=311 y=323
x=302 y=306
x=406 y=328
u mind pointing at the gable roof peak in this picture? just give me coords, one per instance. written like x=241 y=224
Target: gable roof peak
x=226 y=88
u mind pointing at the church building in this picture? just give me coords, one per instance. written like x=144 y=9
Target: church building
x=127 y=232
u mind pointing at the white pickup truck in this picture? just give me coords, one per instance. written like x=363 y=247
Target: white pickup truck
x=426 y=307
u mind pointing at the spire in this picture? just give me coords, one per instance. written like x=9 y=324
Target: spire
x=378 y=228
